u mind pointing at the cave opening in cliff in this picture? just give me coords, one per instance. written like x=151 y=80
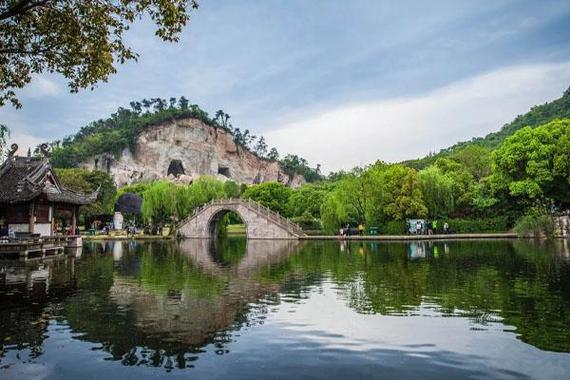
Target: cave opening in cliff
x=175 y=168
x=225 y=171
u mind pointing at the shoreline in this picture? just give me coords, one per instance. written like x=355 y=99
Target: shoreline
x=495 y=235
x=439 y=237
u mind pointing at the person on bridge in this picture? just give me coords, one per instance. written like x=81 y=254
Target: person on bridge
x=361 y=229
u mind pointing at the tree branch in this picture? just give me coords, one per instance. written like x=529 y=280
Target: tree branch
x=20 y=8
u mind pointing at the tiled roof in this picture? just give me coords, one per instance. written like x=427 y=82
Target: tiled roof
x=25 y=178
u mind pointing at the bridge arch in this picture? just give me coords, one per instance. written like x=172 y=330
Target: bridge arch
x=216 y=219
x=261 y=222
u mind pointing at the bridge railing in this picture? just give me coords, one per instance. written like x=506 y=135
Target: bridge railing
x=275 y=216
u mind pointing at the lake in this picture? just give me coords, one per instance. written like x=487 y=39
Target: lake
x=286 y=309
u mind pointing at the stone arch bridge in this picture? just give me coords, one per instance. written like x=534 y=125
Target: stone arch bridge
x=260 y=221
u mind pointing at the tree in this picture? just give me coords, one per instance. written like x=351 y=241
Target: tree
x=88 y=181
x=270 y=194
x=82 y=40
x=534 y=164
x=307 y=199
x=159 y=104
x=476 y=159
x=273 y=154
x=183 y=103
x=437 y=192
x=222 y=119
x=261 y=147
x=159 y=202
x=136 y=106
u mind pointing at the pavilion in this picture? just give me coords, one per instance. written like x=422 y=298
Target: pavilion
x=31 y=196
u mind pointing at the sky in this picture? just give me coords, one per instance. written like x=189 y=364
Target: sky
x=341 y=83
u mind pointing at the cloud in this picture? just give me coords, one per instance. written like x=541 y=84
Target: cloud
x=403 y=128
x=24 y=141
x=41 y=86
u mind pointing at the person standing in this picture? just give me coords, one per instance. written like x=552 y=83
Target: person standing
x=361 y=229
x=445 y=228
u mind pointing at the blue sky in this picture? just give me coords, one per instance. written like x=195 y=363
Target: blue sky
x=342 y=83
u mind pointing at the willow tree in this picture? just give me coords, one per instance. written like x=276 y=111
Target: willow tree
x=159 y=202
x=82 y=40
x=437 y=192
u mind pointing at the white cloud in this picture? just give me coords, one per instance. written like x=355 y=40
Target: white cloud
x=41 y=86
x=24 y=141
x=403 y=128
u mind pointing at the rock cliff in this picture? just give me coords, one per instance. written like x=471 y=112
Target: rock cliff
x=184 y=149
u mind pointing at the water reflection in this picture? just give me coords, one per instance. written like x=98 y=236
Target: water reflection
x=169 y=304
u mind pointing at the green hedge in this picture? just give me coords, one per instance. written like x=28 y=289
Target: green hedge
x=393 y=227
x=307 y=223
x=458 y=226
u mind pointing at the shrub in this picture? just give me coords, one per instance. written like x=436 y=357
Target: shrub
x=393 y=227
x=535 y=223
x=307 y=222
x=498 y=224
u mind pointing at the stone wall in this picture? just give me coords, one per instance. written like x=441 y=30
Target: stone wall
x=198 y=148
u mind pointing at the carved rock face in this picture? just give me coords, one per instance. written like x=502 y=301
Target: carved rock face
x=190 y=148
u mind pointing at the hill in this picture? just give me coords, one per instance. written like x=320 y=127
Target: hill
x=538 y=115
x=112 y=138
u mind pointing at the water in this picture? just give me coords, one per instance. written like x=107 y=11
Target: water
x=279 y=309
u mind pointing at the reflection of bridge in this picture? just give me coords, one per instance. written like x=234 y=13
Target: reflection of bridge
x=185 y=317
x=261 y=222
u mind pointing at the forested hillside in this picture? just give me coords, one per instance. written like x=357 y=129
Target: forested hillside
x=541 y=114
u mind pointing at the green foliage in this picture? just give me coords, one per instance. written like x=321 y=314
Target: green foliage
x=82 y=40
x=165 y=202
x=534 y=164
x=536 y=223
x=458 y=226
x=89 y=181
x=292 y=164
x=308 y=222
x=159 y=202
x=373 y=195
x=476 y=159
x=393 y=227
x=270 y=194
x=437 y=191
x=232 y=189
x=135 y=188
x=307 y=199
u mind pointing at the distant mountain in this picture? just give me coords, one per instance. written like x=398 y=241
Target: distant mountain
x=557 y=109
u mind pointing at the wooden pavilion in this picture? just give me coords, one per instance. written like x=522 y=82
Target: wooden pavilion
x=31 y=196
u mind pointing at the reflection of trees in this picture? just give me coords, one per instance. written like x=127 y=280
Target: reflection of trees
x=161 y=304
x=520 y=282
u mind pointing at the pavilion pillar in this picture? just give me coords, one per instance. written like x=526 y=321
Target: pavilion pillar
x=32 y=222
x=74 y=220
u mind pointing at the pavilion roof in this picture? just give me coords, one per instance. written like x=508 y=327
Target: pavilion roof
x=25 y=178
